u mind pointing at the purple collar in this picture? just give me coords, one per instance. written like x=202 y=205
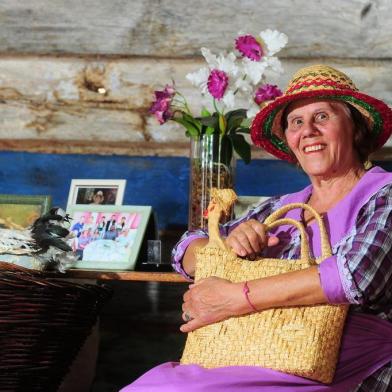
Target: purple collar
x=341 y=218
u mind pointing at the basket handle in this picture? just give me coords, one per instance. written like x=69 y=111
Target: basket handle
x=215 y=240
x=305 y=252
x=326 y=250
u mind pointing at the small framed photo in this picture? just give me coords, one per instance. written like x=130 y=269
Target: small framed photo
x=103 y=192
x=107 y=237
x=20 y=211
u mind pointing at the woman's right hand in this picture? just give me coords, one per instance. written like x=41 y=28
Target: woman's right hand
x=249 y=238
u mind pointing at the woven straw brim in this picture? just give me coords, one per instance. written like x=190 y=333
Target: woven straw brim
x=267 y=132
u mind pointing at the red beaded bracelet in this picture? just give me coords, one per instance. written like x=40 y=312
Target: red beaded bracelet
x=246 y=291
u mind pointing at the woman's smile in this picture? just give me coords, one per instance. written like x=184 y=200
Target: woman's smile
x=320 y=134
x=314 y=148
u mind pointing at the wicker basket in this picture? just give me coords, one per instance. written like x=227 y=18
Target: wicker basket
x=43 y=324
x=299 y=340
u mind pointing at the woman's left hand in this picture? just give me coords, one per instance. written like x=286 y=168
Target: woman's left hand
x=211 y=300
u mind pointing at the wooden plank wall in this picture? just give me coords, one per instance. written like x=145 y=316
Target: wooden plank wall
x=55 y=55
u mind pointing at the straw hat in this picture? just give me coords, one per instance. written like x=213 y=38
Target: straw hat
x=324 y=82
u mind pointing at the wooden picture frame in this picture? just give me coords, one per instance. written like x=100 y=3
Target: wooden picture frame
x=20 y=211
x=101 y=192
x=107 y=237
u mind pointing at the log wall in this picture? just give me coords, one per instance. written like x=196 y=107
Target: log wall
x=55 y=57
x=77 y=77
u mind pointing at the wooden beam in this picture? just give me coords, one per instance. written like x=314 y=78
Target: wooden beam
x=178 y=28
x=53 y=104
x=143 y=149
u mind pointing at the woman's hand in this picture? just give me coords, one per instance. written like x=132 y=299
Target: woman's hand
x=249 y=238
x=211 y=300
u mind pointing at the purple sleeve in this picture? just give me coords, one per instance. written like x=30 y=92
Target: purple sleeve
x=330 y=281
x=180 y=248
x=364 y=258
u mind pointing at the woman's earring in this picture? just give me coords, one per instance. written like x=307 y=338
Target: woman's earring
x=368 y=165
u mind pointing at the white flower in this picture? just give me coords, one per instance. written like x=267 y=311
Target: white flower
x=226 y=63
x=209 y=57
x=243 y=85
x=274 y=41
x=199 y=79
x=253 y=70
x=244 y=75
x=275 y=64
x=253 y=110
x=229 y=99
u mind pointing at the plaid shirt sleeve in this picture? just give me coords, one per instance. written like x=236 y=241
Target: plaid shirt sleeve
x=259 y=212
x=365 y=257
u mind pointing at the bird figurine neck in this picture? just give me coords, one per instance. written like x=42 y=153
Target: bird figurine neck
x=221 y=202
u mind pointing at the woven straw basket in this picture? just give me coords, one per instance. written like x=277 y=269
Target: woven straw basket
x=301 y=340
x=43 y=324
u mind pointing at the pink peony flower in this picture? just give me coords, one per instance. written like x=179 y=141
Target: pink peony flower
x=267 y=92
x=161 y=107
x=217 y=83
x=249 y=47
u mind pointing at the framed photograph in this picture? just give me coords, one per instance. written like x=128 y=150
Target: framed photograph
x=101 y=192
x=20 y=211
x=107 y=237
x=245 y=203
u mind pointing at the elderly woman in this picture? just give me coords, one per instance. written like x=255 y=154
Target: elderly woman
x=329 y=128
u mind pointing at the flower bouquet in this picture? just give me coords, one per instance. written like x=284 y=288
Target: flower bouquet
x=233 y=86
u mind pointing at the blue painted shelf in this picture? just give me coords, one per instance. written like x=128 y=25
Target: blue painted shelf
x=161 y=182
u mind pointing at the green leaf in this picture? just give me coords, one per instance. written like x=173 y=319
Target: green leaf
x=237 y=112
x=210 y=131
x=226 y=151
x=191 y=129
x=246 y=123
x=211 y=121
x=243 y=130
x=222 y=124
x=205 y=113
x=234 y=119
x=241 y=147
x=192 y=120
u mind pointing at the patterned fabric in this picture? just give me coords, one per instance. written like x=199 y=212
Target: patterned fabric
x=379 y=381
x=365 y=255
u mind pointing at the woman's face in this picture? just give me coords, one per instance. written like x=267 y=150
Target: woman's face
x=320 y=134
x=98 y=198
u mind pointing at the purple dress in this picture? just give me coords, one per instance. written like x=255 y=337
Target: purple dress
x=367 y=339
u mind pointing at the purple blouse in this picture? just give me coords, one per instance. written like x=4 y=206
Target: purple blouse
x=359 y=272
x=346 y=276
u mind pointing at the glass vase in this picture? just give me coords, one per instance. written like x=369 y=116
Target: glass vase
x=212 y=165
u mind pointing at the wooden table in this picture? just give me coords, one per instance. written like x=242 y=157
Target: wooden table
x=126 y=276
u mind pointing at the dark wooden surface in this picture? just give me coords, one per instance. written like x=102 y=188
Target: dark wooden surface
x=141 y=276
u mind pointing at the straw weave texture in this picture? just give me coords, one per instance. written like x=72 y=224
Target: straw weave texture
x=302 y=340
x=317 y=77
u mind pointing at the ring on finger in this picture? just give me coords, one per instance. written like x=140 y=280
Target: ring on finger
x=187 y=317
